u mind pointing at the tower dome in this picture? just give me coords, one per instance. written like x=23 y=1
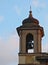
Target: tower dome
x=30 y=23
x=30 y=19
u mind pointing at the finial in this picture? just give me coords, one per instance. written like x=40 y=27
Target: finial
x=30 y=15
x=30 y=8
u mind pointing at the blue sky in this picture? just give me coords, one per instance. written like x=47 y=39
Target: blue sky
x=12 y=13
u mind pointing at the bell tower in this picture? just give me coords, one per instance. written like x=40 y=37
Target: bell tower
x=30 y=34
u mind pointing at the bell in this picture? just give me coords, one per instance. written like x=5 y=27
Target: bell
x=30 y=46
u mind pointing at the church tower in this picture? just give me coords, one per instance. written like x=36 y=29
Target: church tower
x=30 y=34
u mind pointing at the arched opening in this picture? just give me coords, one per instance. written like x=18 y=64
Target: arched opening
x=29 y=43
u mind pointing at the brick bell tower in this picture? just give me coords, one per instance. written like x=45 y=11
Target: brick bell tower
x=30 y=34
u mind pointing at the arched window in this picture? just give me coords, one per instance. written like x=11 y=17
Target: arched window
x=29 y=43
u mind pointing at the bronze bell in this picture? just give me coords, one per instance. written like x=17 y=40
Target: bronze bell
x=30 y=45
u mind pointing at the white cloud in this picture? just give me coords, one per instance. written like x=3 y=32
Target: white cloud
x=1 y=18
x=9 y=50
x=35 y=3
x=39 y=4
x=45 y=48
x=17 y=9
x=43 y=5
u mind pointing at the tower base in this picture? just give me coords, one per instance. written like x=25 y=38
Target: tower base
x=33 y=59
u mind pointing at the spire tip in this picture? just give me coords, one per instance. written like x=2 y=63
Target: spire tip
x=30 y=7
x=30 y=15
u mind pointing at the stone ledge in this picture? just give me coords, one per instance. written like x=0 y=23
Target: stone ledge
x=33 y=54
